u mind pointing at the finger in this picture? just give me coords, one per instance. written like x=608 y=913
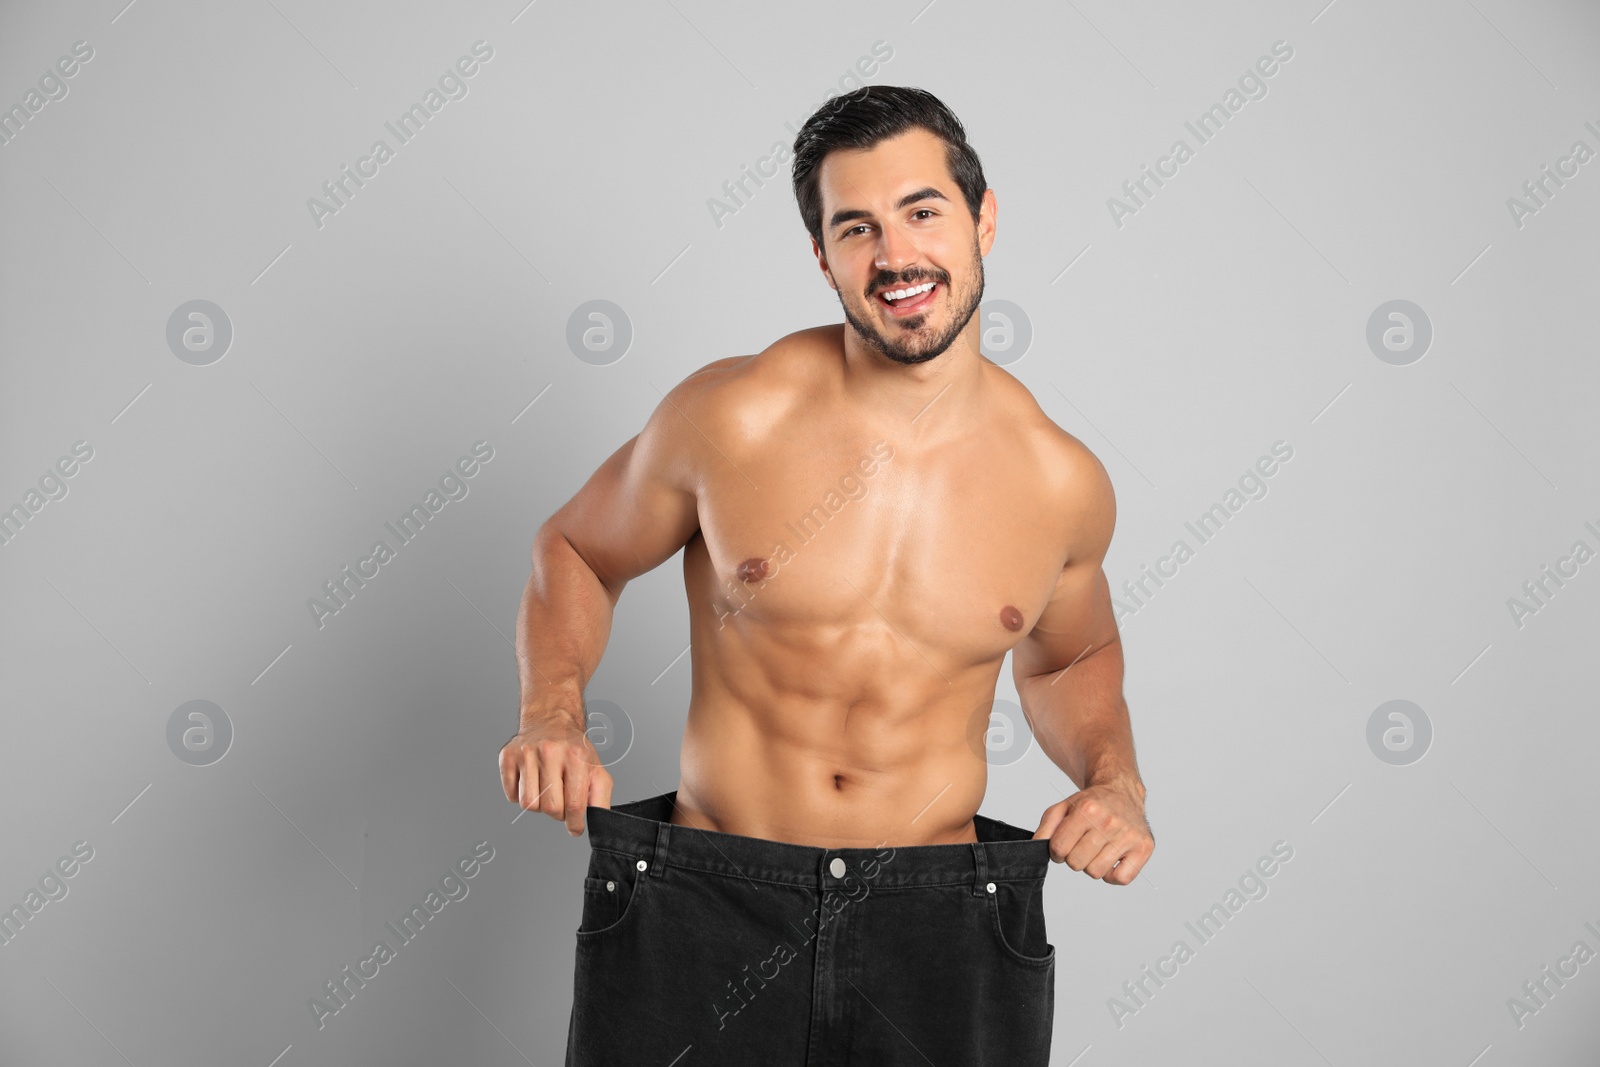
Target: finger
x=1083 y=851
x=1092 y=814
x=1101 y=863
x=1052 y=818
x=600 y=788
x=1071 y=827
x=576 y=789
x=1128 y=868
x=508 y=773
x=527 y=781
x=1062 y=838
x=1088 y=844
x=532 y=800
x=548 y=758
x=1063 y=842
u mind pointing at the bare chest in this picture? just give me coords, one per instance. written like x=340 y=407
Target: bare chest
x=862 y=540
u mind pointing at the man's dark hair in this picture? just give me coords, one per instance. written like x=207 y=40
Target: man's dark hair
x=874 y=113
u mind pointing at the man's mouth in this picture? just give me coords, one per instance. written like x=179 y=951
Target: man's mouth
x=910 y=299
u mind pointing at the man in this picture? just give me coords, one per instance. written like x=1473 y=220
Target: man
x=872 y=515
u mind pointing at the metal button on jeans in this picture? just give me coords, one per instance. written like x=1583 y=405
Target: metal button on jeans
x=837 y=867
x=641 y=865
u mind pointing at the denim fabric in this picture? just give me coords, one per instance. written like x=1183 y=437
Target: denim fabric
x=699 y=948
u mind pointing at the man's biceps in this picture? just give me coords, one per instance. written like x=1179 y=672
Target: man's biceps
x=641 y=539
x=1079 y=589
x=1074 y=622
x=668 y=523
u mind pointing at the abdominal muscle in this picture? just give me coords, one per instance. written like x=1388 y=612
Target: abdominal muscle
x=833 y=772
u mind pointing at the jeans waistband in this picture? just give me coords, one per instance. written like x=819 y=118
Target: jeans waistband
x=642 y=828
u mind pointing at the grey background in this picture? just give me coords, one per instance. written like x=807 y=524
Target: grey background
x=369 y=354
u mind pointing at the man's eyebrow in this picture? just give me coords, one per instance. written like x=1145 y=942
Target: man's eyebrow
x=851 y=214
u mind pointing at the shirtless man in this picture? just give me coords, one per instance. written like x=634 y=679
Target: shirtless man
x=872 y=515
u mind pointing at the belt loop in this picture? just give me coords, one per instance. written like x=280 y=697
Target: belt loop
x=658 y=863
x=980 y=870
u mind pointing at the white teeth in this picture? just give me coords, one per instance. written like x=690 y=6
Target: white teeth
x=901 y=294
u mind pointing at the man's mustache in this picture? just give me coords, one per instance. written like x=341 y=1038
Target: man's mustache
x=886 y=280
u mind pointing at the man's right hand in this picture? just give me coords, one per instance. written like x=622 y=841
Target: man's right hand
x=551 y=766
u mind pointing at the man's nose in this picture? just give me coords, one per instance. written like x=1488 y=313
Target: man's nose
x=895 y=250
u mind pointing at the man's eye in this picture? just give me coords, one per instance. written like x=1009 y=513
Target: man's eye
x=854 y=229
x=922 y=211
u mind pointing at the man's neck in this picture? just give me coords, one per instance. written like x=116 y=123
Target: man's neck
x=932 y=397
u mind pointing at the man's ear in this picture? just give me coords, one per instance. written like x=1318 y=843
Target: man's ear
x=987 y=210
x=822 y=263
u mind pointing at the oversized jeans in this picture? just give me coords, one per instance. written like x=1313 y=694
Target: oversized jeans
x=700 y=948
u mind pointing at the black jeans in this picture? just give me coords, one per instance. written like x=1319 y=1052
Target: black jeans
x=699 y=948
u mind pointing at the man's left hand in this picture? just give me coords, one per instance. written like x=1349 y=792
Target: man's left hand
x=1100 y=830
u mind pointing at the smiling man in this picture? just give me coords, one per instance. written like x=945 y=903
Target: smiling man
x=871 y=515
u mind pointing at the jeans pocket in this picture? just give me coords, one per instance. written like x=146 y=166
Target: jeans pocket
x=610 y=891
x=1016 y=910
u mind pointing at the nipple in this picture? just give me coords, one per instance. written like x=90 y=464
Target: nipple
x=753 y=569
x=1010 y=618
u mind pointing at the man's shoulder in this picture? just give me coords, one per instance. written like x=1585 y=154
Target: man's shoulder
x=732 y=392
x=1063 y=463
x=1067 y=485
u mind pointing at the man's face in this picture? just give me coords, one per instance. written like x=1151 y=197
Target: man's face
x=894 y=220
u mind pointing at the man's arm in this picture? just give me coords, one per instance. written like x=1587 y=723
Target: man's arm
x=632 y=515
x=1068 y=672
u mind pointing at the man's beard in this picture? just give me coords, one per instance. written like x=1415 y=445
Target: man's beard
x=919 y=347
